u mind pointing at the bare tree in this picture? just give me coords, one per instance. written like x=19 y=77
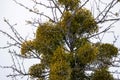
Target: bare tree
x=102 y=11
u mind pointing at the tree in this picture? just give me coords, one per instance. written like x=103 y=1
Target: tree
x=64 y=46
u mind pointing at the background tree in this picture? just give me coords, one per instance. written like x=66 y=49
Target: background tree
x=64 y=44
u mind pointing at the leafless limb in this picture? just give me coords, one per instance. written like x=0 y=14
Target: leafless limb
x=106 y=20
x=41 y=4
x=19 y=68
x=84 y=4
x=56 y=5
x=106 y=9
x=104 y=31
x=36 y=12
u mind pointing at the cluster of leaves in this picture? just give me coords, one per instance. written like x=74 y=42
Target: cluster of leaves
x=102 y=74
x=69 y=4
x=82 y=22
x=27 y=46
x=65 y=50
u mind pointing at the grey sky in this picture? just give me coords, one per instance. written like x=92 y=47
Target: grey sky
x=17 y=14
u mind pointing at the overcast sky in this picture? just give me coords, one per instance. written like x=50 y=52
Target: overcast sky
x=17 y=14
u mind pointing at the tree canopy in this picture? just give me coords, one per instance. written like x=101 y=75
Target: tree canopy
x=65 y=48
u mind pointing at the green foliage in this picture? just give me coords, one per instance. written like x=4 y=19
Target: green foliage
x=85 y=21
x=81 y=23
x=102 y=74
x=71 y=4
x=106 y=53
x=87 y=53
x=48 y=37
x=37 y=70
x=108 y=50
x=65 y=50
x=26 y=47
x=59 y=55
x=60 y=68
x=118 y=0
